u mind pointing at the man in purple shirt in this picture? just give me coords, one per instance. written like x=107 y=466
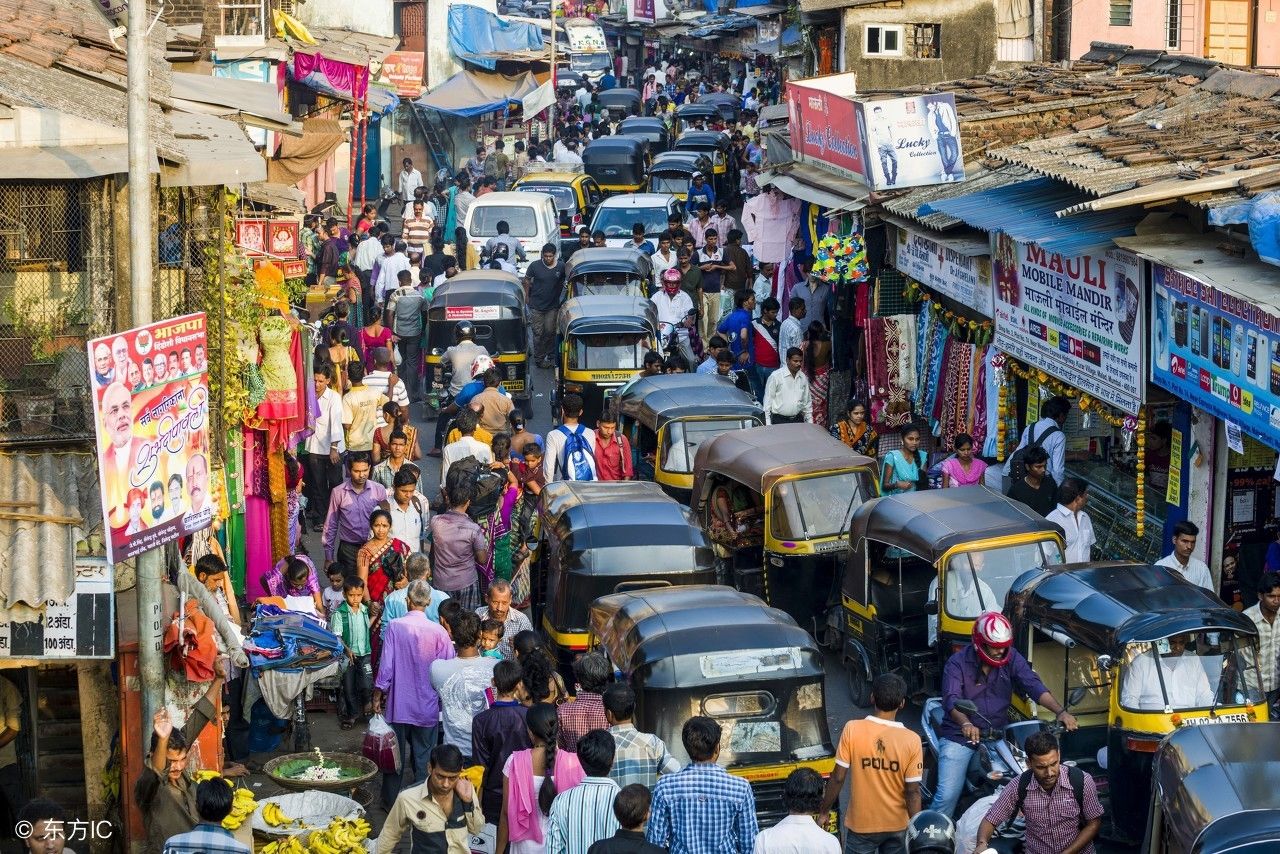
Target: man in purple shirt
x=458 y=545
x=412 y=707
x=986 y=672
x=346 y=527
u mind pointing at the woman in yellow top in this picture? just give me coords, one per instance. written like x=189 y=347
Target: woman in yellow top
x=855 y=431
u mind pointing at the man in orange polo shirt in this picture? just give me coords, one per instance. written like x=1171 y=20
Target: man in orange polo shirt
x=884 y=762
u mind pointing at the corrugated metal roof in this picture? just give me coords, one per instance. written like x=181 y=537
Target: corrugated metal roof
x=37 y=558
x=978 y=177
x=1026 y=211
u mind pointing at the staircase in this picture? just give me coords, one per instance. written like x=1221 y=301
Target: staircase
x=439 y=142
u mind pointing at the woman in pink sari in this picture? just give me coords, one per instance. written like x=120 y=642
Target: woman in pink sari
x=963 y=469
x=531 y=780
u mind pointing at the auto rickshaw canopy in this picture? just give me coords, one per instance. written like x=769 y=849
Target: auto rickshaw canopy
x=614 y=527
x=692 y=112
x=605 y=259
x=703 y=140
x=684 y=162
x=655 y=401
x=760 y=456
x=608 y=315
x=616 y=150
x=1219 y=788
x=931 y=522
x=691 y=636
x=620 y=98
x=651 y=128
x=1107 y=606
x=478 y=288
x=726 y=103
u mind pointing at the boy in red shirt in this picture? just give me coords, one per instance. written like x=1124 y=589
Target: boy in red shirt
x=613 y=451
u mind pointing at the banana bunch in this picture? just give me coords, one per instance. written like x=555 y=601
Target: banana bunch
x=290 y=845
x=342 y=836
x=242 y=806
x=274 y=816
x=201 y=776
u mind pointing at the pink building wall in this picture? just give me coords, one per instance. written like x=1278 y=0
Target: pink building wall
x=1090 y=22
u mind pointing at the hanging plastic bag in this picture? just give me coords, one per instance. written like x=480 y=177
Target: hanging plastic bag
x=381 y=745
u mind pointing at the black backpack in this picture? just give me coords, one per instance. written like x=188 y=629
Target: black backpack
x=486 y=485
x=1018 y=462
x=1074 y=776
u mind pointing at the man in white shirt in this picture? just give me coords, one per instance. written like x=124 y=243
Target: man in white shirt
x=1263 y=615
x=324 y=447
x=1183 y=675
x=410 y=516
x=967 y=594
x=367 y=252
x=379 y=380
x=673 y=304
x=410 y=180
x=799 y=832
x=466 y=446
x=786 y=393
x=570 y=154
x=1181 y=560
x=1047 y=433
x=791 y=333
x=394 y=260
x=664 y=258
x=556 y=462
x=1073 y=494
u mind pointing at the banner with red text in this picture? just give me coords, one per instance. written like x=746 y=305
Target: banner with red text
x=824 y=124
x=151 y=408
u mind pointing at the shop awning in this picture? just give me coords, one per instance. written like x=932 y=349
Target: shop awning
x=299 y=157
x=474 y=93
x=760 y=10
x=1200 y=256
x=284 y=198
x=482 y=38
x=65 y=162
x=258 y=103
x=1027 y=212
x=813 y=184
x=215 y=151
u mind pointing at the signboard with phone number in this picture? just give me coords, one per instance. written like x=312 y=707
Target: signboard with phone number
x=1217 y=351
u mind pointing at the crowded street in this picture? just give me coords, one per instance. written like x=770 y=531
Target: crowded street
x=626 y=427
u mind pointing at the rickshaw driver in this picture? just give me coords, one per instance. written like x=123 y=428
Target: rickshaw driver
x=461 y=356
x=986 y=672
x=965 y=599
x=1185 y=680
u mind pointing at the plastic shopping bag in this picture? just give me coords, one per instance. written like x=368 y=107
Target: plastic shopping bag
x=381 y=745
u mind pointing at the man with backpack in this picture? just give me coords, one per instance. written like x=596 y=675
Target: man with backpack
x=571 y=447
x=1045 y=433
x=1058 y=802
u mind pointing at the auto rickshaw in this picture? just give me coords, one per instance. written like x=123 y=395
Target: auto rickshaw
x=1216 y=789
x=969 y=542
x=576 y=194
x=601 y=342
x=608 y=537
x=688 y=114
x=717 y=147
x=650 y=128
x=603 y=271
x=718 y=652
x=776 y=502
x=494 y=302
x=727 y=104
x=672 y=172
x=1136 y=652
x=667 y=417
x=617 y=163
x=621 y=103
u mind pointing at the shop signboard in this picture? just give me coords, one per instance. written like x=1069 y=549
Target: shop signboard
x=151 y=409
x=81 y=627
x=1078 y=318
x=641 y=10
x=911 y=142
x=824 y=124
x=962 y=277
x=1217 y=351
x=403 y=69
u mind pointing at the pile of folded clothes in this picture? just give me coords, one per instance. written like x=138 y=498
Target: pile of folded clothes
x=290 y=641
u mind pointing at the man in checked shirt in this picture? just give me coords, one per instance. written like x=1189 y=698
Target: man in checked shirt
x=702 y=809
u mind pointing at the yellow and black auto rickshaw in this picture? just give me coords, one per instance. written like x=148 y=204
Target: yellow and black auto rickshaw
x=620 y=102
x=1216 y=789
x=494 y=303
x=727 y=104
x=1136 y=652
x=576 y=194
x=601 y=345
x=696 y=117
x=608 y=537
x=649 y=128
x=724 y=166
x=970 y=542
x=672 y=172
x=617 y=163
x=776 y=502
x=718 y=652
x=607 y=271
x=668 y=417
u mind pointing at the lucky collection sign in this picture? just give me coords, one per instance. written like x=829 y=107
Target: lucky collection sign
x=1078 y=318
x=151 y=408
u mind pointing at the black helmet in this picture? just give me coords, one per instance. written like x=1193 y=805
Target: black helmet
x=932 y=831
x=464 y=331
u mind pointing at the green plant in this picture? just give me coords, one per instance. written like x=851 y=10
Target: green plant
x=32 y=321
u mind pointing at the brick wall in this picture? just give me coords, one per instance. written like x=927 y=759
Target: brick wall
x=181 y=13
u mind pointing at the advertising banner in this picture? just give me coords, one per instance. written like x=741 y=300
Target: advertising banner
x=911 y=142
x=641 y=10
x=964 y=278
x=151 y=407
x=1216 y=351
x=824 y=124
x=1078 y=318
x=403 y=69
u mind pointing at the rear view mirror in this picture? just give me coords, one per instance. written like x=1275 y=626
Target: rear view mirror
x=1076 y=696
x=967 y=706
x=931 y=607
x=1105 y=662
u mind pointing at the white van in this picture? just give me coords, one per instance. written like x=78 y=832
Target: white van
x=532 y=218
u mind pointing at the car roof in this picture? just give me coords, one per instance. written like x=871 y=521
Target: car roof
x=510 y=198
x=639 y=200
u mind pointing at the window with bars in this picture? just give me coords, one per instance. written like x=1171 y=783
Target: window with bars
x=1122 y=13
x=911 y=41
x=1173 y=27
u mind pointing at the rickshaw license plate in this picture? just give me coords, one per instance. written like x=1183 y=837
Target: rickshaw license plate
x=513 y=385
x=832 y=546
x=1233 y=718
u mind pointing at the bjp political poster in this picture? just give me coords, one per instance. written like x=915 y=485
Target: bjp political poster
x=151 y=407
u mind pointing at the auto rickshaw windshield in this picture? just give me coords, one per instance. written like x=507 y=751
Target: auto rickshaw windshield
x=818 y=506
x=978 y=581
x=1192 y=670
x=668 y=182
x=682 y=438
x=613 y=352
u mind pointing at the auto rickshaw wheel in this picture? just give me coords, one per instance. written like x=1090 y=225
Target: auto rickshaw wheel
x=859 y=684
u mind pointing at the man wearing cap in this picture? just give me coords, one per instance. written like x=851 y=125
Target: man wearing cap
x=700 y=192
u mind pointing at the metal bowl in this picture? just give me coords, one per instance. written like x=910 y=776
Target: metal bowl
x=363 y=770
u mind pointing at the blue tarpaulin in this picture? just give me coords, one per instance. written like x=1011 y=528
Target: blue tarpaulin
x=478 y=36
x=475 y=93
x=791 y=36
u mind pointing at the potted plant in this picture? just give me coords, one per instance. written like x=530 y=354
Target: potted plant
x=35 y=402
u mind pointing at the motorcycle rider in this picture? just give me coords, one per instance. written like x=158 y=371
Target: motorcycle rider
x=986 y=672
x=461 y=356
x=674 y=305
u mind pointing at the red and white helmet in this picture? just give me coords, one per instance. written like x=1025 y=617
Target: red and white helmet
x=992 y=629
x=479 y=365
x=671 y=277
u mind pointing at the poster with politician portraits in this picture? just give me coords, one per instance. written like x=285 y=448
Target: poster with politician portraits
x=151 y=408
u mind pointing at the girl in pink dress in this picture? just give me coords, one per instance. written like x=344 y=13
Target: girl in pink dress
x=963 y=469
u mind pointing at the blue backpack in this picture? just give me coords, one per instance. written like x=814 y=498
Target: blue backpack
x=577 y=453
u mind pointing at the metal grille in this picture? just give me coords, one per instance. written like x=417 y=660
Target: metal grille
x=54 y=244
x=890 y=300
x=187 y=223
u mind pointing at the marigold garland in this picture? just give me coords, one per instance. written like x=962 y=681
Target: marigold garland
x=977 y=332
